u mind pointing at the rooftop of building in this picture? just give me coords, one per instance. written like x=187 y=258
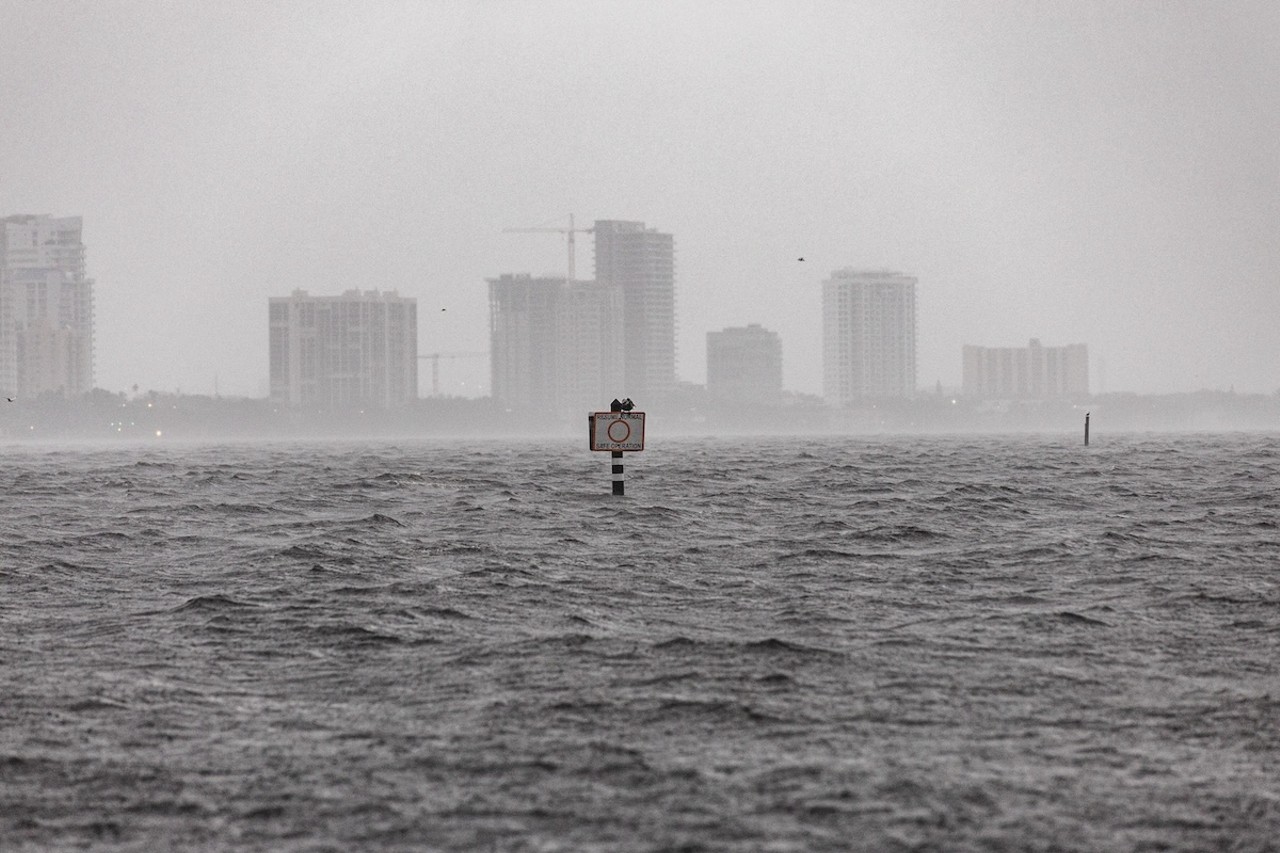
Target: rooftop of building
x=346 y=295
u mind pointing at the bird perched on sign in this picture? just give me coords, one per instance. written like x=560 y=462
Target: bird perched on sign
x=627 y=405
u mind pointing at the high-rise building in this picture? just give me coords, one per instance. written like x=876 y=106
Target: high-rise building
x=640 y=263
x=591 y=363
x=524 y=341
x=552 y=345
x=1031 y=372
x=868 y=335
x=357 y=349
x=560 y=347
x=46 y=307
x=744 y=366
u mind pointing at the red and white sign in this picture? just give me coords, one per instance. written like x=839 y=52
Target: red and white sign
x=616 y=430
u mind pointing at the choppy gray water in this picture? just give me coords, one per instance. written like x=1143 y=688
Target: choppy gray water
x=866 y=644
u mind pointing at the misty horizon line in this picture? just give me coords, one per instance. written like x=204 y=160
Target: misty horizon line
x=103 y=416
x=1096 y=369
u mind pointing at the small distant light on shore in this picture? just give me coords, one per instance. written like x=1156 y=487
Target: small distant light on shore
x=953 y=402
x=159 y=433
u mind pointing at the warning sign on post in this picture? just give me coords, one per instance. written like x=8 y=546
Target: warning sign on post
x=617 y=430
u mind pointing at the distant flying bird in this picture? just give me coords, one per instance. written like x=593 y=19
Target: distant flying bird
x=799 y=259
x=10 y=399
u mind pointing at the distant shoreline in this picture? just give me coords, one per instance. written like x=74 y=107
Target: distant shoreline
x=102 y=415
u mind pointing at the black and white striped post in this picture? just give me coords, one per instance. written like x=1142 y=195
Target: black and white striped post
x=619 y=484
x=616 y=430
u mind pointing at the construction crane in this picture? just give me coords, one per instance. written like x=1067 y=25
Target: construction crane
x=435 y=365
x=570 y=231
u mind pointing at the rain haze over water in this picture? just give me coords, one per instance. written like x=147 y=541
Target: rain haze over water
x=1086 y=172
x=885 y=641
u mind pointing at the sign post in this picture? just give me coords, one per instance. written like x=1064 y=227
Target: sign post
x=617 y=430
x=619 y=484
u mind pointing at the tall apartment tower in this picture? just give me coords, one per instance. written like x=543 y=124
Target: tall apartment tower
x=744 y=366
x=46 y=307
x=868 y=335
x=357 y=349
x=524 y=338
x=552 y=344
x=1031 y=372
x=640 y=263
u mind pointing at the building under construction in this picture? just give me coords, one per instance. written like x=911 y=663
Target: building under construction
x=561 y=346
x=553 y=351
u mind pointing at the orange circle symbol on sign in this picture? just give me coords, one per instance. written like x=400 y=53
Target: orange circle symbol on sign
x=623 y=434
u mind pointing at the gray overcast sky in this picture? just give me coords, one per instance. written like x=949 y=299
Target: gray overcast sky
x=1097 y=172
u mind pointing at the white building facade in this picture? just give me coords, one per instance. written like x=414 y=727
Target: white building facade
x=640 y=263
x=1032 y=372
x=46 y=307
x=354 y=350
x=868 y=336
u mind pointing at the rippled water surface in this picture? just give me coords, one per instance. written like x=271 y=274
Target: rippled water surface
x=807 y=644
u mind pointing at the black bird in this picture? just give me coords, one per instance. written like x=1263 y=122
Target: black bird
x=799 y=259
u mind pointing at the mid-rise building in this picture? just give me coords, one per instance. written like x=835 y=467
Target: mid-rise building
x=553 y=345
x=744 y=366
x=640 y=263
x=46 y=307
x=354 y=350
x=524 y=341
x=1031 y=372
x=868 y=335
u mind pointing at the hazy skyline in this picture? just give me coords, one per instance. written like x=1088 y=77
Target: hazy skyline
x=1091 y=172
